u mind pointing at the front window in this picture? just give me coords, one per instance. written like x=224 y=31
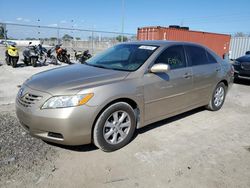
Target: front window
x=124 y=57
x=174 y=56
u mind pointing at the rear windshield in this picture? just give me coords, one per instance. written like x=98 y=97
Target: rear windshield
x=124 y=57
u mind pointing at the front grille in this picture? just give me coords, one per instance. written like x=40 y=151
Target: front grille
x=245 y=65
x=28 y=99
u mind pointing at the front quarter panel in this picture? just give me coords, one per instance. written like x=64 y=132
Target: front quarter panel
x=127 y=88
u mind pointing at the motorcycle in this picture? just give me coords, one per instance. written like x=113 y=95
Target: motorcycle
x=30 y=55
x=82 y=56
x=41 y=53
x=86 y=55
x=62 y=55
x=45 y=54
x=11 y=55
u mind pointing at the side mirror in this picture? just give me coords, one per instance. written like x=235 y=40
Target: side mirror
x=247 y=52
x=160 y=68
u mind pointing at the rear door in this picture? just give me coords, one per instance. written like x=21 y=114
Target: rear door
x=205 y=72
x=166 y=93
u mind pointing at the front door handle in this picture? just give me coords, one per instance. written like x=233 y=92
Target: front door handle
x=187 y=75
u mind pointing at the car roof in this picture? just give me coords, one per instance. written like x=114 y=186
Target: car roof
x=162 y=43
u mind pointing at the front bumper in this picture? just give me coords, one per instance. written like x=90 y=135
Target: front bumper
x=67 y=126
x=239 y=73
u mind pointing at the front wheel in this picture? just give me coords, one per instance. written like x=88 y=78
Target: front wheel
x=67 y=59
x=218 y=97
x=14 y=61
x=115 y=127
x=7 y=58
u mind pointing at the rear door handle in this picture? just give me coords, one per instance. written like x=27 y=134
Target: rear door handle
x=187 y=75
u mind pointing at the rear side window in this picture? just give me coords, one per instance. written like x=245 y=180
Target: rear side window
x=211 y=58
x=173 y=56
x=196 y=55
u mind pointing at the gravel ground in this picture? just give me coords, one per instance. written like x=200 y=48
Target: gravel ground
x=20 y=154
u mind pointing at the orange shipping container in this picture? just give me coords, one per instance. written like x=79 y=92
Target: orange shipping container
x=219 y=43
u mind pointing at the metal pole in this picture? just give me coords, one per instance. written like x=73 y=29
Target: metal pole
x=123 y=9
x=4 y=32
x=58 y=35
x=92 y=42
x=38 y=21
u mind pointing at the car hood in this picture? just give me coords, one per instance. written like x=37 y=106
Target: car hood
x=73 y=78
x=245 y=58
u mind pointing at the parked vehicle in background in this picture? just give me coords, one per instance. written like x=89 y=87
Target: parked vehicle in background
x=242 y=67
x=77 y=54
x=41 y=53
x=6 y=42
x=11 y=55
x=127 y=87
x=30 y=55
x=86 y=55
x=82 y=56
x=45 y=55
x=62 y=54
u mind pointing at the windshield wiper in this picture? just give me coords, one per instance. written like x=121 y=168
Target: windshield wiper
x=104 y=67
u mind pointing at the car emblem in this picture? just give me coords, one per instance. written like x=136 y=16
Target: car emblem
x=20 y=93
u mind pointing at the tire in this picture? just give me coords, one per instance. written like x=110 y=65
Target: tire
x=7 y=58
x=67 y=59
x=105 y=125
x=236 y=77
x=33 y=61
x=54 y=60
x=25 y=60
x=60 y=58
x=217 y=102
x=14 y=61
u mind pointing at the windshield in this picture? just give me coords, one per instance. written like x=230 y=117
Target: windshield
x=125 y=57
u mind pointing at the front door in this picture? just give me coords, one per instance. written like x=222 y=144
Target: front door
x=166 y=93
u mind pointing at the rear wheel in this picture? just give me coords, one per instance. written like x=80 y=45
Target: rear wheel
x=218 y=97
x=60 y=58
x=114 y=127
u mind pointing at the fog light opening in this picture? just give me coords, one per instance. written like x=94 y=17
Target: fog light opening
x=55 y=135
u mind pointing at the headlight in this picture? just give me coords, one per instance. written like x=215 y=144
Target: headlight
x=67 y=101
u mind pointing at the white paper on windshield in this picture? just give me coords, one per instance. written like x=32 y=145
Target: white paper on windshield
x=147 y=47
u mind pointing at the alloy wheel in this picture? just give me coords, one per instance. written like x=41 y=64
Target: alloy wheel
x=219 y=96
x=116 y=127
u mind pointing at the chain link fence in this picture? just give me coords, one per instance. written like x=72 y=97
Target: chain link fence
x=71 y=38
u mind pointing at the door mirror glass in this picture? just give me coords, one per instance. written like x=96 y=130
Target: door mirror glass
x=160 y=68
